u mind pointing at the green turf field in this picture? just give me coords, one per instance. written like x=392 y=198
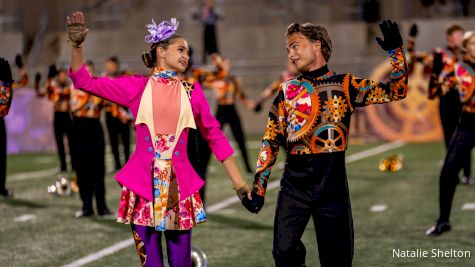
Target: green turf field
x=234 y=237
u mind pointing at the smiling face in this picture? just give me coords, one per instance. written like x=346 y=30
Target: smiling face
x=175 y=56
x=304 y=54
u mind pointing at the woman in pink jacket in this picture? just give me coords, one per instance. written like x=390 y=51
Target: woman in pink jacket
x=160 y=187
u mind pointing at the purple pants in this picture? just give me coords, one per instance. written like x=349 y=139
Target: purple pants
x=149 y=246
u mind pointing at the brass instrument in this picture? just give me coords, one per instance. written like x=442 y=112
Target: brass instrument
x=198 y=258
x=63 y=186
x=392 y=163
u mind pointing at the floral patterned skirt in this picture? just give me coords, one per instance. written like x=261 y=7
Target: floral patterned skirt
x=165 y=212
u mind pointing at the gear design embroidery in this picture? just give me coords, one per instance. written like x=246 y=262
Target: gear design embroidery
x=328 y=138
x=377 y=95
x=264 y=156
x=300 y=122
x=300 y=150
x=335 y=109
x=271 y=131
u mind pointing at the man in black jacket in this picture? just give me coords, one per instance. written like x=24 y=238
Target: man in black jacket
x=310 y=118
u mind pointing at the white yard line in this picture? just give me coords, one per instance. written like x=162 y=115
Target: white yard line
x=378 y=208
x=374 y=151
x=24 y=218
x=468 y=206
x=101 y=253
x=31 y=175
x=226 y=203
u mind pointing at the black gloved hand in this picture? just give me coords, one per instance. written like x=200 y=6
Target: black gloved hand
x=5 y=71
x=438 y=63
x=254 y=205
x=258 y=107
x=413 y=31
x=52 y=71
x=37 y=78
x=392 y=36
x=19 y=61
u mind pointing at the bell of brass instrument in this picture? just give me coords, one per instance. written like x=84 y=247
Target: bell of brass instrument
x=392 y=163
x=63 y=186
x=198 y=258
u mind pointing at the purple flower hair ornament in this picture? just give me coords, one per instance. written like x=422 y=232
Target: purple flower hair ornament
x=161 y=31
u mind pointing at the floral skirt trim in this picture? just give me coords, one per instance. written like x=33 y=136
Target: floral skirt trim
x=185 y=215
x=166 y=211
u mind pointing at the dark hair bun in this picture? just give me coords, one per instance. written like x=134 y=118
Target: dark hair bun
x=148 y=59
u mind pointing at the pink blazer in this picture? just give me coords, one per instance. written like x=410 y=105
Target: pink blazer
x=136 y=175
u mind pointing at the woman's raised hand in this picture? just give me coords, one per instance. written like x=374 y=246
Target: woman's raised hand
x=77 y=31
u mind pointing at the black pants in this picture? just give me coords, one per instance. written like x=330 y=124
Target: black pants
x=116 y=128
x=62 y=127
x=88 y=158
x=450 y=109
x=227 y=114
x=317 y=187
x=199 y=154
x=3 y=155
x=210 y=43
x=460 y=148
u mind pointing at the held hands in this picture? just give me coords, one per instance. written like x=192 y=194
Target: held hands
x=392 y=36
x=5 y=71
x=254 y=203
x=243 y=190
x=249 y=199
x=77 y=30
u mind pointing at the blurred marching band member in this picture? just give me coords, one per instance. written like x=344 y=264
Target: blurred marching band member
x=450 y=106
x=461 y=79
x=88 y=149
x=228 y=90
x=23 y=81
x=118 y=119
x=310 y=117
x=160 y=188
x=208 y=15
x=7 y=85
x=58 y=91
x=6 y=96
